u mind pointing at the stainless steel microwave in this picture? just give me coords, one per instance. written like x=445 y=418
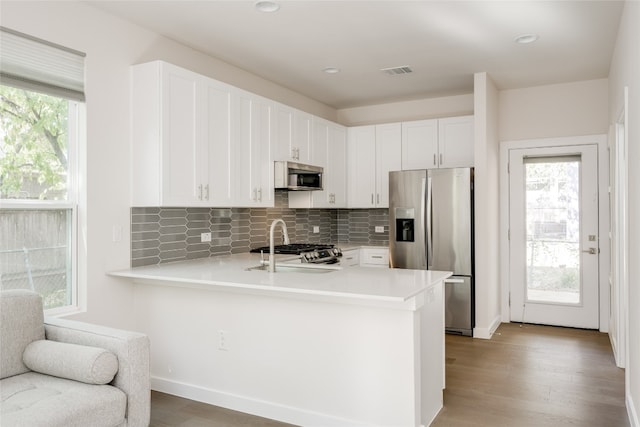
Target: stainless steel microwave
x=297 y=176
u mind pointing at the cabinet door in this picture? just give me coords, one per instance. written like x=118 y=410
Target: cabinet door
x=283 y=133
x=337 y=161
x=320 y=157
x=253 y=162
x=217 y=131
x=361 y=161
x=420 y=144
x=261 y=150
x=455 y=142
x=329 y=151
x=183 y=153
x=302 y=136
x=388 y=158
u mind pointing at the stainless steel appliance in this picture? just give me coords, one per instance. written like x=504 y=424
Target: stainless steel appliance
x=431 y=227
x=313 y=253
x=297 y=176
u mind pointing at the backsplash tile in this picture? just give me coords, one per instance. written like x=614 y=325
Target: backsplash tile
x=160 y=235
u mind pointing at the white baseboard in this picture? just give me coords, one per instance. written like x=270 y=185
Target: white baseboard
x=261 y=408
x=633 y=414
x=487 y=333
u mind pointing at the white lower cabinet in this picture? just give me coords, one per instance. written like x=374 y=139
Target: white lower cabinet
x=365 y=257
x=350 y=257
x=374 y=257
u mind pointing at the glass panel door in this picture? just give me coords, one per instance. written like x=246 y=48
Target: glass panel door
x=553 y=229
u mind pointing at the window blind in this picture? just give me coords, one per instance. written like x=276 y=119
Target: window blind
x=34 y=64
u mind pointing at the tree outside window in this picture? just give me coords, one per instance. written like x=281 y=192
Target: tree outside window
x=37 y=226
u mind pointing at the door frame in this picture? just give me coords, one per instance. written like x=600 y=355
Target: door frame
x=603 y=216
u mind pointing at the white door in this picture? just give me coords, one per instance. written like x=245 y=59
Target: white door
x=553 y=246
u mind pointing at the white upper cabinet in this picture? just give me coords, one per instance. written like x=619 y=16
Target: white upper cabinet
x=361 y=166
x=219 y=100
x=455 y=142
x=292 y=138
x=173 y=140
x=329 y=151
x=372 y=151
x=420 y=144
x=337 y=166
x=388 y=158
x=253 y=171
x=302 y=137
x=438 y=143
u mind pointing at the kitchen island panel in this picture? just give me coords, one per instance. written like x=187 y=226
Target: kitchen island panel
x=303 y=362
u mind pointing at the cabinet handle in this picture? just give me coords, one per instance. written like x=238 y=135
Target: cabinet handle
x=372 y=198
x=440 y=159
x=200 y=192
x=434 y=160
x=376 y=256
x=260 y=194
x=206 y=189
x=298 y=153
x=378 y=198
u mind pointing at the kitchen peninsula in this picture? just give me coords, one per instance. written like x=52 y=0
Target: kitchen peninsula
x=353 y=346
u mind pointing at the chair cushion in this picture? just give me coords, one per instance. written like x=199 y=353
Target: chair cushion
x=38 y=400
x=91 y=365
x=21 y=322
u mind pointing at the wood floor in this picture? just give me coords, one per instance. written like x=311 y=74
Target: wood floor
x=528 y=375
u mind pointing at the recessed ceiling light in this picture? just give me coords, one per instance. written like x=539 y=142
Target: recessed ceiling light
x=267 y=6
x=526 y=38
x=331 y=70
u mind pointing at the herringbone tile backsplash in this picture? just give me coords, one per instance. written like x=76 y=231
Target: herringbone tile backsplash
x=160 y=235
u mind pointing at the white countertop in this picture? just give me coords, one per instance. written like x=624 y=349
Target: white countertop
x=348 y=283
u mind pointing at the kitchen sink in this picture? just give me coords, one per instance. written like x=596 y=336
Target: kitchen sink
x=296 y=268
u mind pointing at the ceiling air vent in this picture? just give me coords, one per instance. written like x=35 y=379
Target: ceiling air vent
x=394 y=71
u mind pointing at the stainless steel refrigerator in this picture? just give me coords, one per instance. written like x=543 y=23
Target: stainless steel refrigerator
x=431 y=227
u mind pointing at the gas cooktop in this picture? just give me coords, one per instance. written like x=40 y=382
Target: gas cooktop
x=294 y=248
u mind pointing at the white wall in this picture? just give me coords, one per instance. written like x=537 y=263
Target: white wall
x=568 y=109
x=419 y=109
x=625 y=71
x=112 y=45
x=487 y=156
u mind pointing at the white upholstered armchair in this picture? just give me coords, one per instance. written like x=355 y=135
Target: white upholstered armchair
x=57 y=372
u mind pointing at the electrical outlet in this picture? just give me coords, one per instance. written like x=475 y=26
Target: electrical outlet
x=379 y=229
x=223 y=340
x=205 y=237
x=316 y=229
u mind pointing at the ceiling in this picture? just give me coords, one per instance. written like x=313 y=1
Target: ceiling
x=443 y=42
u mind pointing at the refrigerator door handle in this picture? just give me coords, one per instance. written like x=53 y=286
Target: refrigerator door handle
x=453 y=281
x=426 y=192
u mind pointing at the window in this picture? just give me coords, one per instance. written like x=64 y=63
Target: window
x=41 y=110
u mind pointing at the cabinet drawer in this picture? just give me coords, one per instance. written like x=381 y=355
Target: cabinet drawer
x=374 y=257
x=350 y=258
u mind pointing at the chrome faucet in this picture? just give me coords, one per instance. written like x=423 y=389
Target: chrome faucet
x=285 y=237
